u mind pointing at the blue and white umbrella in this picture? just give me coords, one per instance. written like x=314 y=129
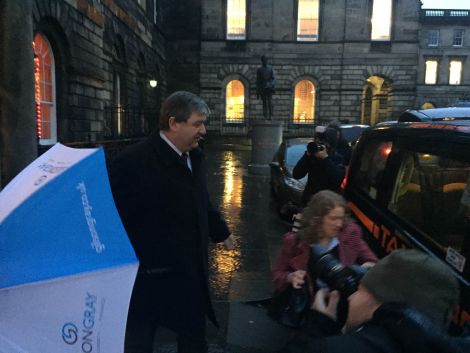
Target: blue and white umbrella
x=67 y=267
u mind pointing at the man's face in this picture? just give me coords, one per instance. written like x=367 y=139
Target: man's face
x=188 y=133
x=362 y=305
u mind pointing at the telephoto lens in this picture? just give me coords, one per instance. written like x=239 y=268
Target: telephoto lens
x=327 y=268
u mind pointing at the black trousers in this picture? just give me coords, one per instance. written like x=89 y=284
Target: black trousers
x=140 y=339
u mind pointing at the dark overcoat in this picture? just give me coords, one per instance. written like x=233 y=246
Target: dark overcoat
x=323 y=174
x=168 y=216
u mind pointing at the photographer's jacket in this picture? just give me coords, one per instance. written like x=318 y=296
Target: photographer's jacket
x=323 y=174
x=168 y=216
x=394 y=328
x=352 y=249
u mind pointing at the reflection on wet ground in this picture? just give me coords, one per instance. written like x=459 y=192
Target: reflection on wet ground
x=244 y=201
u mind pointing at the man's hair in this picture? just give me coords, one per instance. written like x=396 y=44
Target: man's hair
x=181 y=105
x=416 y=278
x=318 y=207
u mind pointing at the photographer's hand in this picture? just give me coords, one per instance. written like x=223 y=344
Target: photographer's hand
x=326 y=302
x=297 y=278
x=321 y=154
x=368 y=265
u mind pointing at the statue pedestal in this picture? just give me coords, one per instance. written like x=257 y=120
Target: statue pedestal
x=266 y=136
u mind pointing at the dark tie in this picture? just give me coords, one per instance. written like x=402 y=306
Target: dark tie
x=184 y=158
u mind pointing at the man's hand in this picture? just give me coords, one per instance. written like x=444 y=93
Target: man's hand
x=326 y=302
x=297 y=278
x=229 y=242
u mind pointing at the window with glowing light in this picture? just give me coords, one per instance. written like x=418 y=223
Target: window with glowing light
x=45 y=90
x=307 y=20
x=304 y=102
x=235 y=102
x=381 y=20
x=236 y=19
x=455 y=72
x=431 y=72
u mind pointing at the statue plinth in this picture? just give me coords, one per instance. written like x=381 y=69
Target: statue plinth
x=266 y=136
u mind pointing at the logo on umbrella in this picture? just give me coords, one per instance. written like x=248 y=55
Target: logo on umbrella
x=69 y=333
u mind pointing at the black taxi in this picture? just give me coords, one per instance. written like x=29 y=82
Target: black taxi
x=409 y=186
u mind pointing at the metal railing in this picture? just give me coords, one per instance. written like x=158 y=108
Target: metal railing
x=128 y=122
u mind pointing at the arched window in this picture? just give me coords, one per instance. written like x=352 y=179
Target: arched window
x=45 y=94
x=304 y=102
x=235 y=102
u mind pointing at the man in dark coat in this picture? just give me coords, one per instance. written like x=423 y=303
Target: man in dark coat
x=404 y=304
x=160 y=189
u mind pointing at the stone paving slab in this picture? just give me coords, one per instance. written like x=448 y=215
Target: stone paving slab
x=251 y=329
x=250 y=286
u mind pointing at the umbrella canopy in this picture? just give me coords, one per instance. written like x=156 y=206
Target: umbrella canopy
x=67 y=267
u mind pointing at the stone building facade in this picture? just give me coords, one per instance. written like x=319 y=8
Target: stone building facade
x=105 y=53
x=444 y=41
x=353 y=75
x=94 y=62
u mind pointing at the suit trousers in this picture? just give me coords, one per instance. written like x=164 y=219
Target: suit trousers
x=140 y=338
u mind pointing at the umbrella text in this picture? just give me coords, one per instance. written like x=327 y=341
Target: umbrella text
x=95 y=243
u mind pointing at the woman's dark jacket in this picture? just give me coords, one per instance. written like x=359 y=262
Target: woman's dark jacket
x=323 y=174
x=166 y=211
x=394 y=328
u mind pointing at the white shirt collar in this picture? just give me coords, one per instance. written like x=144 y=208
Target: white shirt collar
x=333 y=242
x=176 y=149
x=167 y=140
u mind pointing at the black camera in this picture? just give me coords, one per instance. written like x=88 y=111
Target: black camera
x=314 y=147
x=328 y=269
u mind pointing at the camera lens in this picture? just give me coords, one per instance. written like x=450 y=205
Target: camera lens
x=328 y=269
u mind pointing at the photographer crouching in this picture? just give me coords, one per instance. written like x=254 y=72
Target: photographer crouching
x=323 y=165
x=402 y=304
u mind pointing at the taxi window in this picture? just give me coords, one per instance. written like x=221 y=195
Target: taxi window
x=432 y=193
x=372 y=164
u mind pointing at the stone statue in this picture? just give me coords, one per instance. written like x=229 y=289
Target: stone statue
x=265 y=86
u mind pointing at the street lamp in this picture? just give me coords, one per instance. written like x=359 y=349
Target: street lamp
x=153 y=83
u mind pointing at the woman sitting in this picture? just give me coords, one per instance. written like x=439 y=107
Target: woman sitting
x=324 y=222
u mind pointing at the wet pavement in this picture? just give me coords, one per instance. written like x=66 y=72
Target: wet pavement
x=240 y=279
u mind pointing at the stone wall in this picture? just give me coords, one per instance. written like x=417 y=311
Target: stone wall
x=442 y=94
x=339 y=64
x=91 y=41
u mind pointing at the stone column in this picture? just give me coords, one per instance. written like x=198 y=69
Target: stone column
x=18 y=137
x=266 y=136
